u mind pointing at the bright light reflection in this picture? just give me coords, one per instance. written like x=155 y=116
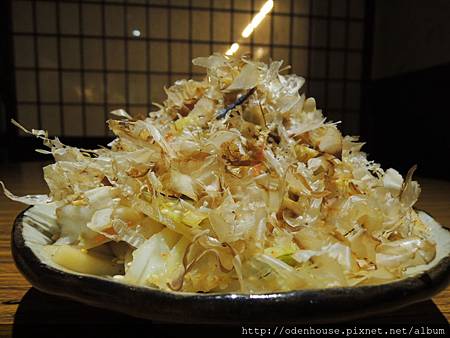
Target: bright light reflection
x=233 y=49
x=265 y=9
x=257 y=19
x=259 y=54
x=136 y=33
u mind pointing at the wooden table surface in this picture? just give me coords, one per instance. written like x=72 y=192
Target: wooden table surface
x=26 y=178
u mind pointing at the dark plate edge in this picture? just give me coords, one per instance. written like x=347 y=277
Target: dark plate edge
x=306 y=306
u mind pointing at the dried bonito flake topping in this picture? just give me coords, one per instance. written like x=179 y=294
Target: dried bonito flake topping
x=236 y=183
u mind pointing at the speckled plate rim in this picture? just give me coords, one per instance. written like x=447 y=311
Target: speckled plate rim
x=304 y=306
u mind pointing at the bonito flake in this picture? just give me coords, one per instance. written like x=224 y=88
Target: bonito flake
x=236 y=183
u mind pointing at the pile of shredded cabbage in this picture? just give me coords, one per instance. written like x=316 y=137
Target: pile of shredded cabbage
x=237 y=183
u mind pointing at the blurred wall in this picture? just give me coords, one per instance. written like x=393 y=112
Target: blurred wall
x=410 y=35
x=76 y=61
x=406 y=112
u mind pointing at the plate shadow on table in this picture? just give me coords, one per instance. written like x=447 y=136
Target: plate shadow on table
x=40 y=315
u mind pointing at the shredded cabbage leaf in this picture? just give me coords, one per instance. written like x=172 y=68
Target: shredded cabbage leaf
x=236 y=183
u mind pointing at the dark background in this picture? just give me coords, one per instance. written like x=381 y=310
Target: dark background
x=381 y=67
